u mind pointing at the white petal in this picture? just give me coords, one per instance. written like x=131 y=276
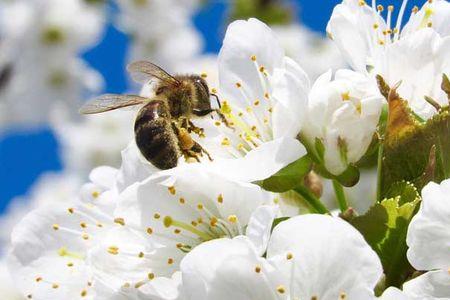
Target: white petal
x=429 y=286
x=428 y=231
x=134 y=167
x=329 y=257
x=243 y=40
x=229 y=272
x=259 y=226
x=104 y=177
x=262 y=162
x=393 y=293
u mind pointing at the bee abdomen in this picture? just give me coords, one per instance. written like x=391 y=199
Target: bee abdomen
x=155 y=137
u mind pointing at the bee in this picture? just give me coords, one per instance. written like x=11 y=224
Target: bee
x=163 y=125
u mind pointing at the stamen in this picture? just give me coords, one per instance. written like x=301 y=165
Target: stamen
x=168 y=222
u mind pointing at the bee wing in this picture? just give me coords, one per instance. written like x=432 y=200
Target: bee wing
x=143 y=71
x=110 y=102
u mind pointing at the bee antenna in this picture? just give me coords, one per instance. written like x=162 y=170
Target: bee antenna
x=217 y=99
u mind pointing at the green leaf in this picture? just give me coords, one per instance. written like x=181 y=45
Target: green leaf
x=348 y=178
x=278 y=221
x=271 y=12
x=385 y=227
x=289 y=177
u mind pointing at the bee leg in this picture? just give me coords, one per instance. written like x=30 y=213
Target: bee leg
x=197 y=148
x=197 y=130
x=223 y=118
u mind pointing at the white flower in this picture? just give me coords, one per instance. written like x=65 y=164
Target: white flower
x=313 y=52
x=428 y=240
x=417 y=56
x=51 y=188
x=48 y=257
x=7 y=287
x=93 y=141
x=263 y=97
x=168 y=215
x=308 y=257
x=343 y=114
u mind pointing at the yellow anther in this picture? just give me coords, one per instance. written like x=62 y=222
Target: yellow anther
x=149 y=230
x=217 y=123
x=172 y=190
x=85 y=236
x=429 y=24
x=38 y=279
x=381 y=42
x=55 y=226
x=232 y=219
x=83 y=293
x=83 y=225
x=391 y=8
x=225 y=142
x=270 y=109
x=179 y=245
x=113 y=250
x=156 y=216
x=345 y=96
x=248 y=109
x=342 y=296
x=253 y=57
x=213 y=221
x=70 y=264
x=362 y=2
x=289 y=256
x=220 y=198
x=100 y=225
x=170 y=261
x=380 y=8
x=415 y=9
x=95 y=194
x=182 y=200
x=214 y=90
x=55 y=285
x=257 y=269
x=168 y=221
x=71 y=210
x=204 y=75
x=375 y=26
x=266 y=95
x=256 y=103
x=120 y=221
x=262 y=69
x=200 y=206
x=141 y=254
x=177 y=231
x=281 y=289
x=238 y=85
x=193 y=223
x=151 y=276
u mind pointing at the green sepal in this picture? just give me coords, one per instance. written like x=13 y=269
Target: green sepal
x=289 y=177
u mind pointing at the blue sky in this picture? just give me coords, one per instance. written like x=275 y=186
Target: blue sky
x=25 y=155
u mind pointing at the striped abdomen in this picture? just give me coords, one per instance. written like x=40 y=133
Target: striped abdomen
x=155 y=136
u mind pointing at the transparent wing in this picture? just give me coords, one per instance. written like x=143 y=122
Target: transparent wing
x=110 y=102
x=143 y=71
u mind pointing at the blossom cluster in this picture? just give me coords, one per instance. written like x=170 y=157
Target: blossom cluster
x=254 y=222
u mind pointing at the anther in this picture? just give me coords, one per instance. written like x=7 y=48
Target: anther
x=289 y=256
x=172 y=190
x=170 y=261
x=71 y=210
x=141 y=254
x=342 y=296
x=120 y=221
x=113 y=250
x=238 y=85
x=151 y=276
x=182 y=201
x=253 y=57
x=256 y=103
x=38 y=279
x=281 y=289
x=391 y=8
x=85 y=236
x=83 y=225
x=380 y=8
x=220 y=198
x=232 y=219
x=95 y=194
x=83 y=293
x=149 y=230
x=415 y=9
x=55 y=285
x=257 y=269
x=204 y=75
x=156 y=216
x=55 y=226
